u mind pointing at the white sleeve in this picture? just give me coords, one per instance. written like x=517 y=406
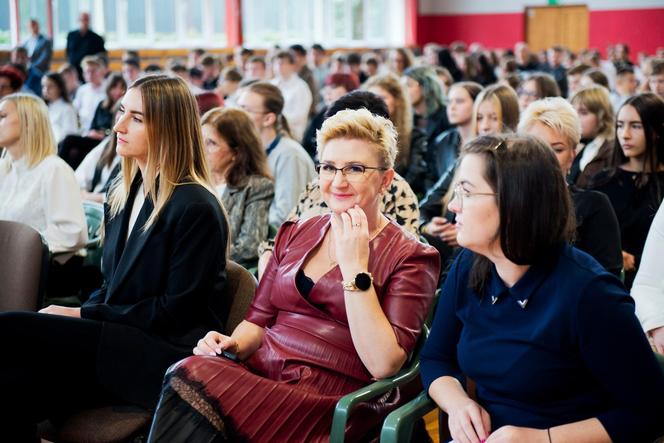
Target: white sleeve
x=66 y=229
x=69 y=123
x=648 y=287
x=297 y=111
x=86 y=170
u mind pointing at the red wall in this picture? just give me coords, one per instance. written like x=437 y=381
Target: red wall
x=641 y=29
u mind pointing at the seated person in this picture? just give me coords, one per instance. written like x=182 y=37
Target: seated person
x=547 y=334
x=289 y=163
x=597 y=231
x=98 y=169
x=399 y=203
x=648 y=288
x=61 y=112
x=74 y=148
x=635 y=184
x=495 y=111
x=38 y=188
x=597 y=132
x=411 y=161
x=241 y=177
x=164 y=268
x=336 y=86
x=342 y=302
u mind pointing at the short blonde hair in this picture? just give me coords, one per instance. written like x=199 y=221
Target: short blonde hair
x=555 y=113
x=360 y=124
x=36 y=137
x=596 y=100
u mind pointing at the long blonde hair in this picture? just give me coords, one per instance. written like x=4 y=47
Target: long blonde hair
x=402 y=117
x=175 y=145
x=36 y=137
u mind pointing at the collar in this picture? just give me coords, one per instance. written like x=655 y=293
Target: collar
x=527 y=285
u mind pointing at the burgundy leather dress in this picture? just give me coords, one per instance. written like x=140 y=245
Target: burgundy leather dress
x=287 y=390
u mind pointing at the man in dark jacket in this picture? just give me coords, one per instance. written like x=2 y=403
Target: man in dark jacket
x=83 y=41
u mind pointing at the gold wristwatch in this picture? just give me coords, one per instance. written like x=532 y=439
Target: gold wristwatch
x=361 y=282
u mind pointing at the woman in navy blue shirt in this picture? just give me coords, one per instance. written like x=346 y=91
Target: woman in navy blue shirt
x=549 y=337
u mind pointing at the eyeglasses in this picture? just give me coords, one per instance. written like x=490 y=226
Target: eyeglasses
x=529 y=94
x=461 y=194
x=354 y=172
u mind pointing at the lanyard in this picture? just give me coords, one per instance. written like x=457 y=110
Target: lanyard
x=273 y=145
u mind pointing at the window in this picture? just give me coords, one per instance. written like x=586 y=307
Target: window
x=30 y=9
x=375 y=23
x=5 y=25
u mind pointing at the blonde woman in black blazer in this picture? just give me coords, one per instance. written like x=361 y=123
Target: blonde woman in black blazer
x=164 y=271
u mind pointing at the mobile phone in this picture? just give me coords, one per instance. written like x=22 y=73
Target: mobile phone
x=229 y=355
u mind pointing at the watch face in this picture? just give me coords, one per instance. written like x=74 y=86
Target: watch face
x=363 y=281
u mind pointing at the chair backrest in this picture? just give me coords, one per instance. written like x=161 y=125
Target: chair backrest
x=23 y=267
x=94 y=216
x=240 y=288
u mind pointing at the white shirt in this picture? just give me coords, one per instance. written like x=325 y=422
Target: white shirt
x=86 y=170
x=46 y=198
x=292 y=169
x=297 y=102
x=87 y=99
x=648 y=287
x=136 y=209
x=590 y=152
x=64 y=119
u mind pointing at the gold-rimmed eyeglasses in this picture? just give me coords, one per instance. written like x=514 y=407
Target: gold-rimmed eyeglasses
x=460 y=194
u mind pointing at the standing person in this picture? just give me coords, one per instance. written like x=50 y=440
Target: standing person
x=528 y=318
x=164 y=271
x=342 y=302
x=290 y=165
x=635 y=183
x=40 y=49
x=61 y=112
x=296 y=93
x=241 y=176
x=82 y=42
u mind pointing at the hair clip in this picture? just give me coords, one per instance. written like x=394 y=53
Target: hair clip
x=500 y=143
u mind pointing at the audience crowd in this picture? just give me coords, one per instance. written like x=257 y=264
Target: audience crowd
x=526 y=186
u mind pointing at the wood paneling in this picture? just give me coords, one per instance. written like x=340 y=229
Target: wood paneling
x=547 y=26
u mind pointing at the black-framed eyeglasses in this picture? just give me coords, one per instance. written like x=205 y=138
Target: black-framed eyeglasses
x=352 y=172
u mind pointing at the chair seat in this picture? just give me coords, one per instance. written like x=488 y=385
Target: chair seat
x=111 y=424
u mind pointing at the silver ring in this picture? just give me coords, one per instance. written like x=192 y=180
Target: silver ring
x=357 y=225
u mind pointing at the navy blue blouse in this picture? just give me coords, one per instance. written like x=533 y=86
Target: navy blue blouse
x=560 y=346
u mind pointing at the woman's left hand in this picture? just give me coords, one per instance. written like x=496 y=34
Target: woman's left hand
x=62 y=310
x=351 y=241
x=514 y=434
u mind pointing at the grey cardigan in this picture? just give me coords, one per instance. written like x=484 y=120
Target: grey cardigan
x=247 y=209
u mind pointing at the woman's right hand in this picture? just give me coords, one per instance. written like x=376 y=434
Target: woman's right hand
x=469 y=422
x=214 y=343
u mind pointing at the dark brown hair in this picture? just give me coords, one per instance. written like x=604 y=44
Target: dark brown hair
x=650 y=108
x=536 y=212
x=546 y=85
x=273 y=101
x=237 y=129
x=113 y=81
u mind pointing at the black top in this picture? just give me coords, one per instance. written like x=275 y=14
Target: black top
x=79 y=45
x=103 y=118
x=443 y=153
x=597 y=229
x=436 y=123
x=560 y=346
x=167 y=281
x=414 y=170
x=303 y=283
x=309 y=139
x=635 y=206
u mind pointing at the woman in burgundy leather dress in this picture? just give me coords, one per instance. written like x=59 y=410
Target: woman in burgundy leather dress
x=342 y=302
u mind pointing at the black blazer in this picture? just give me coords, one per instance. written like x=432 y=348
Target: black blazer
x=163 y=289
